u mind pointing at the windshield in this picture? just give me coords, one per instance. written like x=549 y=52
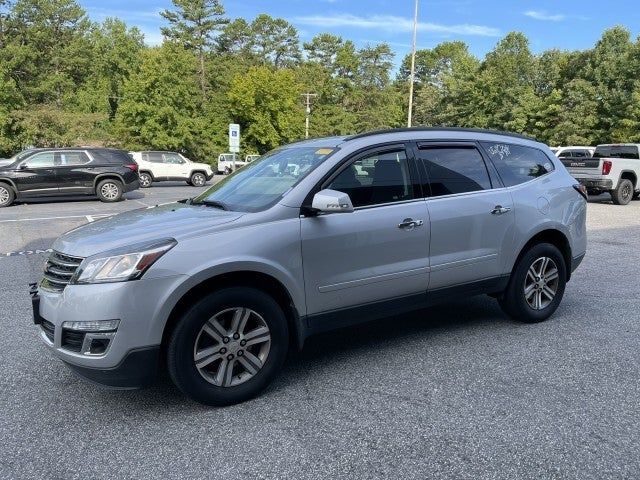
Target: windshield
x=265 y=180
x=616 y=151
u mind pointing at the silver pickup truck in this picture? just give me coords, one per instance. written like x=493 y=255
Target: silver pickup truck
x=614 y=168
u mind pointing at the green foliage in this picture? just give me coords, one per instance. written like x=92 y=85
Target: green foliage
x=65 y=80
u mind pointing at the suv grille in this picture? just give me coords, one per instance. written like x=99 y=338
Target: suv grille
x=49 y=329
x=59 y=270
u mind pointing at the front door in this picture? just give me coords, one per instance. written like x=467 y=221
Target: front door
x=175 y=166
x=36 y=175
x=379 y=251
x=472 y=218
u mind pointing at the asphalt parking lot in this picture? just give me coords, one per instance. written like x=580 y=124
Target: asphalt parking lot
x=456 y=391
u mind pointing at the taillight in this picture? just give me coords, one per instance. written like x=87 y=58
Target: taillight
x=132 y=166
x=606 y=167
x=581 y=189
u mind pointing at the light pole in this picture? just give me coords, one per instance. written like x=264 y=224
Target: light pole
x=413 y=65
x=307 y=104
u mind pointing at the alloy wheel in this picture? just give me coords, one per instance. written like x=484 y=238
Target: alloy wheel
x=4 y=195
x=198 y=180
x=627 y=191
x=109 y=191
x=232 y=347
x=541 y=283
x=145 y=180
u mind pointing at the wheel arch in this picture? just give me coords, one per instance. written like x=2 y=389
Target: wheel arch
x=107 y=176
x=630 y=175
x=149 y=172
x=10 y=183
x=243 y=278
x=553 y=236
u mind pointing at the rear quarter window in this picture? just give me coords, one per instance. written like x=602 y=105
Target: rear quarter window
x=517 y=164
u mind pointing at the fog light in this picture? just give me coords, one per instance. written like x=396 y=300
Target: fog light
x=92 y=326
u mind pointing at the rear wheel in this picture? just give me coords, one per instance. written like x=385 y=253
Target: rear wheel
x=228 y=347
x=109 y=190
x=145 y=180
x=197 y=179
x=536 y=286
x=7 y=196
x=624 y=193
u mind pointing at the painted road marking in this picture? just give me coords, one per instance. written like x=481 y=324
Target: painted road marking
x=25 y=252
x=94 y=217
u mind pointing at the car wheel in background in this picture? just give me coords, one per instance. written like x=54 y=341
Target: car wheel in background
x=624 y=193
x=145 y=180
x=636 y=195
x=109 y=190
x=536 y=285
x=228 y=346
x=198 y=179
x=7 y=196
x=227 y=170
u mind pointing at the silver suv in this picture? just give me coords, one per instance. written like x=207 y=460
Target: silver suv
x=310 y=237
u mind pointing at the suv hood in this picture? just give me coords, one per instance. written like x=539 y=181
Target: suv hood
x=5 y=162
x=174 y=220
x=206 y=166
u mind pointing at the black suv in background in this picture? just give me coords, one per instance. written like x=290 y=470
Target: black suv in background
x=50 y=172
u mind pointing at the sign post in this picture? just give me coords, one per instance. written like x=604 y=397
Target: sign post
x=234 y=141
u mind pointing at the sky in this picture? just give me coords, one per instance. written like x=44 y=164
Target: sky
x=563 y=24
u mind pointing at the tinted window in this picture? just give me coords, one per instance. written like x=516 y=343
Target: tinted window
x=617 y=151
x=454 y=170
x=376 y=179
x=155 y=157
x=40 y=160
x=517 y=164
x=73 y=158
x=173 y=159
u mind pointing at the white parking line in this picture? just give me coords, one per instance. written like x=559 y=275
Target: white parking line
x=88 y=217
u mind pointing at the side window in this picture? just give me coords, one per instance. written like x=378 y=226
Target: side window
x=155 y=157
x=173 y=159
x=375 y=179
x=517 y=164
x=73 y=158
x=40 y=160
x=566 y=153
x=452 y=170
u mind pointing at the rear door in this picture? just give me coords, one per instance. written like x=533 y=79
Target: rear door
x=36 y=175
x=158 y=167
x=472 y=218
x=75 y=172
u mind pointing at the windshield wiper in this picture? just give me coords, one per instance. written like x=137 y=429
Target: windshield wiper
x=211 y=203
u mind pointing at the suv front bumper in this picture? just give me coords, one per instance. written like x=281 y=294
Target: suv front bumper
x=131 y=357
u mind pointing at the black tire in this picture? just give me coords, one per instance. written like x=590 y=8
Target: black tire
x=146 y=180
x=183 y=342
x=7 y=195
x=513 y=301
x=636 y=195
x=198 y=179
x=623 y=194
x=227 y=170
x=109 y=190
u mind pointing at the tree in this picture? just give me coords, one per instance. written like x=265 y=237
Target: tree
x=194 y=25
x=324 y=49
x=236 y=38
x=275 y=41
x=266 y=104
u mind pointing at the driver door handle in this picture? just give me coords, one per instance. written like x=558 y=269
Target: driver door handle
x=410 y=224
x=499 y=210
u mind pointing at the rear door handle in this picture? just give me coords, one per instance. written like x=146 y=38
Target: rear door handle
x=410 y=224
x=499 y=210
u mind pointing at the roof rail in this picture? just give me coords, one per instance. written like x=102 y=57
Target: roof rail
x=435 y=129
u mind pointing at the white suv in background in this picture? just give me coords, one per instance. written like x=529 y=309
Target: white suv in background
x=158 y=166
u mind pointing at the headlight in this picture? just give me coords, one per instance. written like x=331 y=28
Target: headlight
x=123 y=264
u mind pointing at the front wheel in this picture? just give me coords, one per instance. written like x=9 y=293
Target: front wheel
x=228 y=347
x=109 y=190
x=536 y=286
x=624 y=193
x=197 y=179
x=7 y=196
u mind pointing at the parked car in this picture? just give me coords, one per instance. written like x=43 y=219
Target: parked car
x=573 y=151
x=614 y=169
x=222 y=284
x=229 y=162
x=160 y=166
x=51 y=172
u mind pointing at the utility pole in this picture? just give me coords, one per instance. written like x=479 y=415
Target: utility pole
x=307 y=104
x=413 y=65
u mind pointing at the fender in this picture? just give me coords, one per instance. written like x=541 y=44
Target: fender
x=107 y=175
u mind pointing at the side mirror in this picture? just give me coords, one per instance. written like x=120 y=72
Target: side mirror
x=332 y=201
x=23 y=166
